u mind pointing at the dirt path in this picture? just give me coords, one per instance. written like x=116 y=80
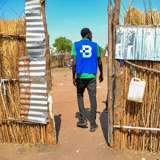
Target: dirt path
x=74 y=143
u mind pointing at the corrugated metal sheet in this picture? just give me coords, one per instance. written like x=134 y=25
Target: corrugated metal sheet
x=35 y=35
x=33 y=90
x=138 y=43
x=32 y=69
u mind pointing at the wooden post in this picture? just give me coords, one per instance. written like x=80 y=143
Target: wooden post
x=47 y=52
x=110 y=49
x=113 y=20
x=116 y=65
x=50 y=130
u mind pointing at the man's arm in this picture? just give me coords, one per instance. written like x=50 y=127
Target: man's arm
x=100 y=66
x=74 y=64
x=74 y=70
x=100 y=69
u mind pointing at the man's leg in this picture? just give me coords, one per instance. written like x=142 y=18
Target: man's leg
x=80 y=90
x=91 y=87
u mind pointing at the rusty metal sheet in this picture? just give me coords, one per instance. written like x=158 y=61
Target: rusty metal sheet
x=33 y=90
x=34 y=101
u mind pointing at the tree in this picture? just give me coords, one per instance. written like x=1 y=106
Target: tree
x=62 y=45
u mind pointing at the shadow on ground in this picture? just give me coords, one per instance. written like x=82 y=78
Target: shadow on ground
x=103 y=119
x=104 y=124
x=57 y=119
x=86 y=114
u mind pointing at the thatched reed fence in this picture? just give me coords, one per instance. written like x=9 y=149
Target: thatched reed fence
x=12 y=128
x=65 y=61
x=123 y=112
x=58 y=61
x=12 y=46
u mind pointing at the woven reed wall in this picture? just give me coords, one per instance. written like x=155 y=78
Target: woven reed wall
x=128 y=113
x=11 y=48
x=12 y=128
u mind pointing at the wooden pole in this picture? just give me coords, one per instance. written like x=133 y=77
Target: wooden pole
x=116 y=13
x=50 y=130
x=116 y=65
x=110 y=100
x=47 y=52
x=113 y=20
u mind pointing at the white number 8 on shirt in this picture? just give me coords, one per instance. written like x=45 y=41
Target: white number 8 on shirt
x=86 y=51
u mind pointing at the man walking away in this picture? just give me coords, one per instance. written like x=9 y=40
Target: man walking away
x=86 y=55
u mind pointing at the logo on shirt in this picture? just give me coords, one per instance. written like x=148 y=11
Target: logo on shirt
x=86 y=51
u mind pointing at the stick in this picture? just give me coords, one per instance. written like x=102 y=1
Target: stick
x=50 y=130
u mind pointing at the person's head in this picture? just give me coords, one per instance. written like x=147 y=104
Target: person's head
x=86 y=33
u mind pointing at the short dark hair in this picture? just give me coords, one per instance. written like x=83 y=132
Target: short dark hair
x=85 y=32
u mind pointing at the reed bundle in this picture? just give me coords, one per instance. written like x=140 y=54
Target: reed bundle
x=137 y=17
x=146 y=114
x=12 y=128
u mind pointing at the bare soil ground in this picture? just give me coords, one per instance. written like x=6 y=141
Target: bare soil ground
x=74 y=143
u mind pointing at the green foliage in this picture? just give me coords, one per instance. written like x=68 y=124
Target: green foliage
x=63 y=45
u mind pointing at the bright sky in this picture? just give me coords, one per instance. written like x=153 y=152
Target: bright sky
x=67 y=17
